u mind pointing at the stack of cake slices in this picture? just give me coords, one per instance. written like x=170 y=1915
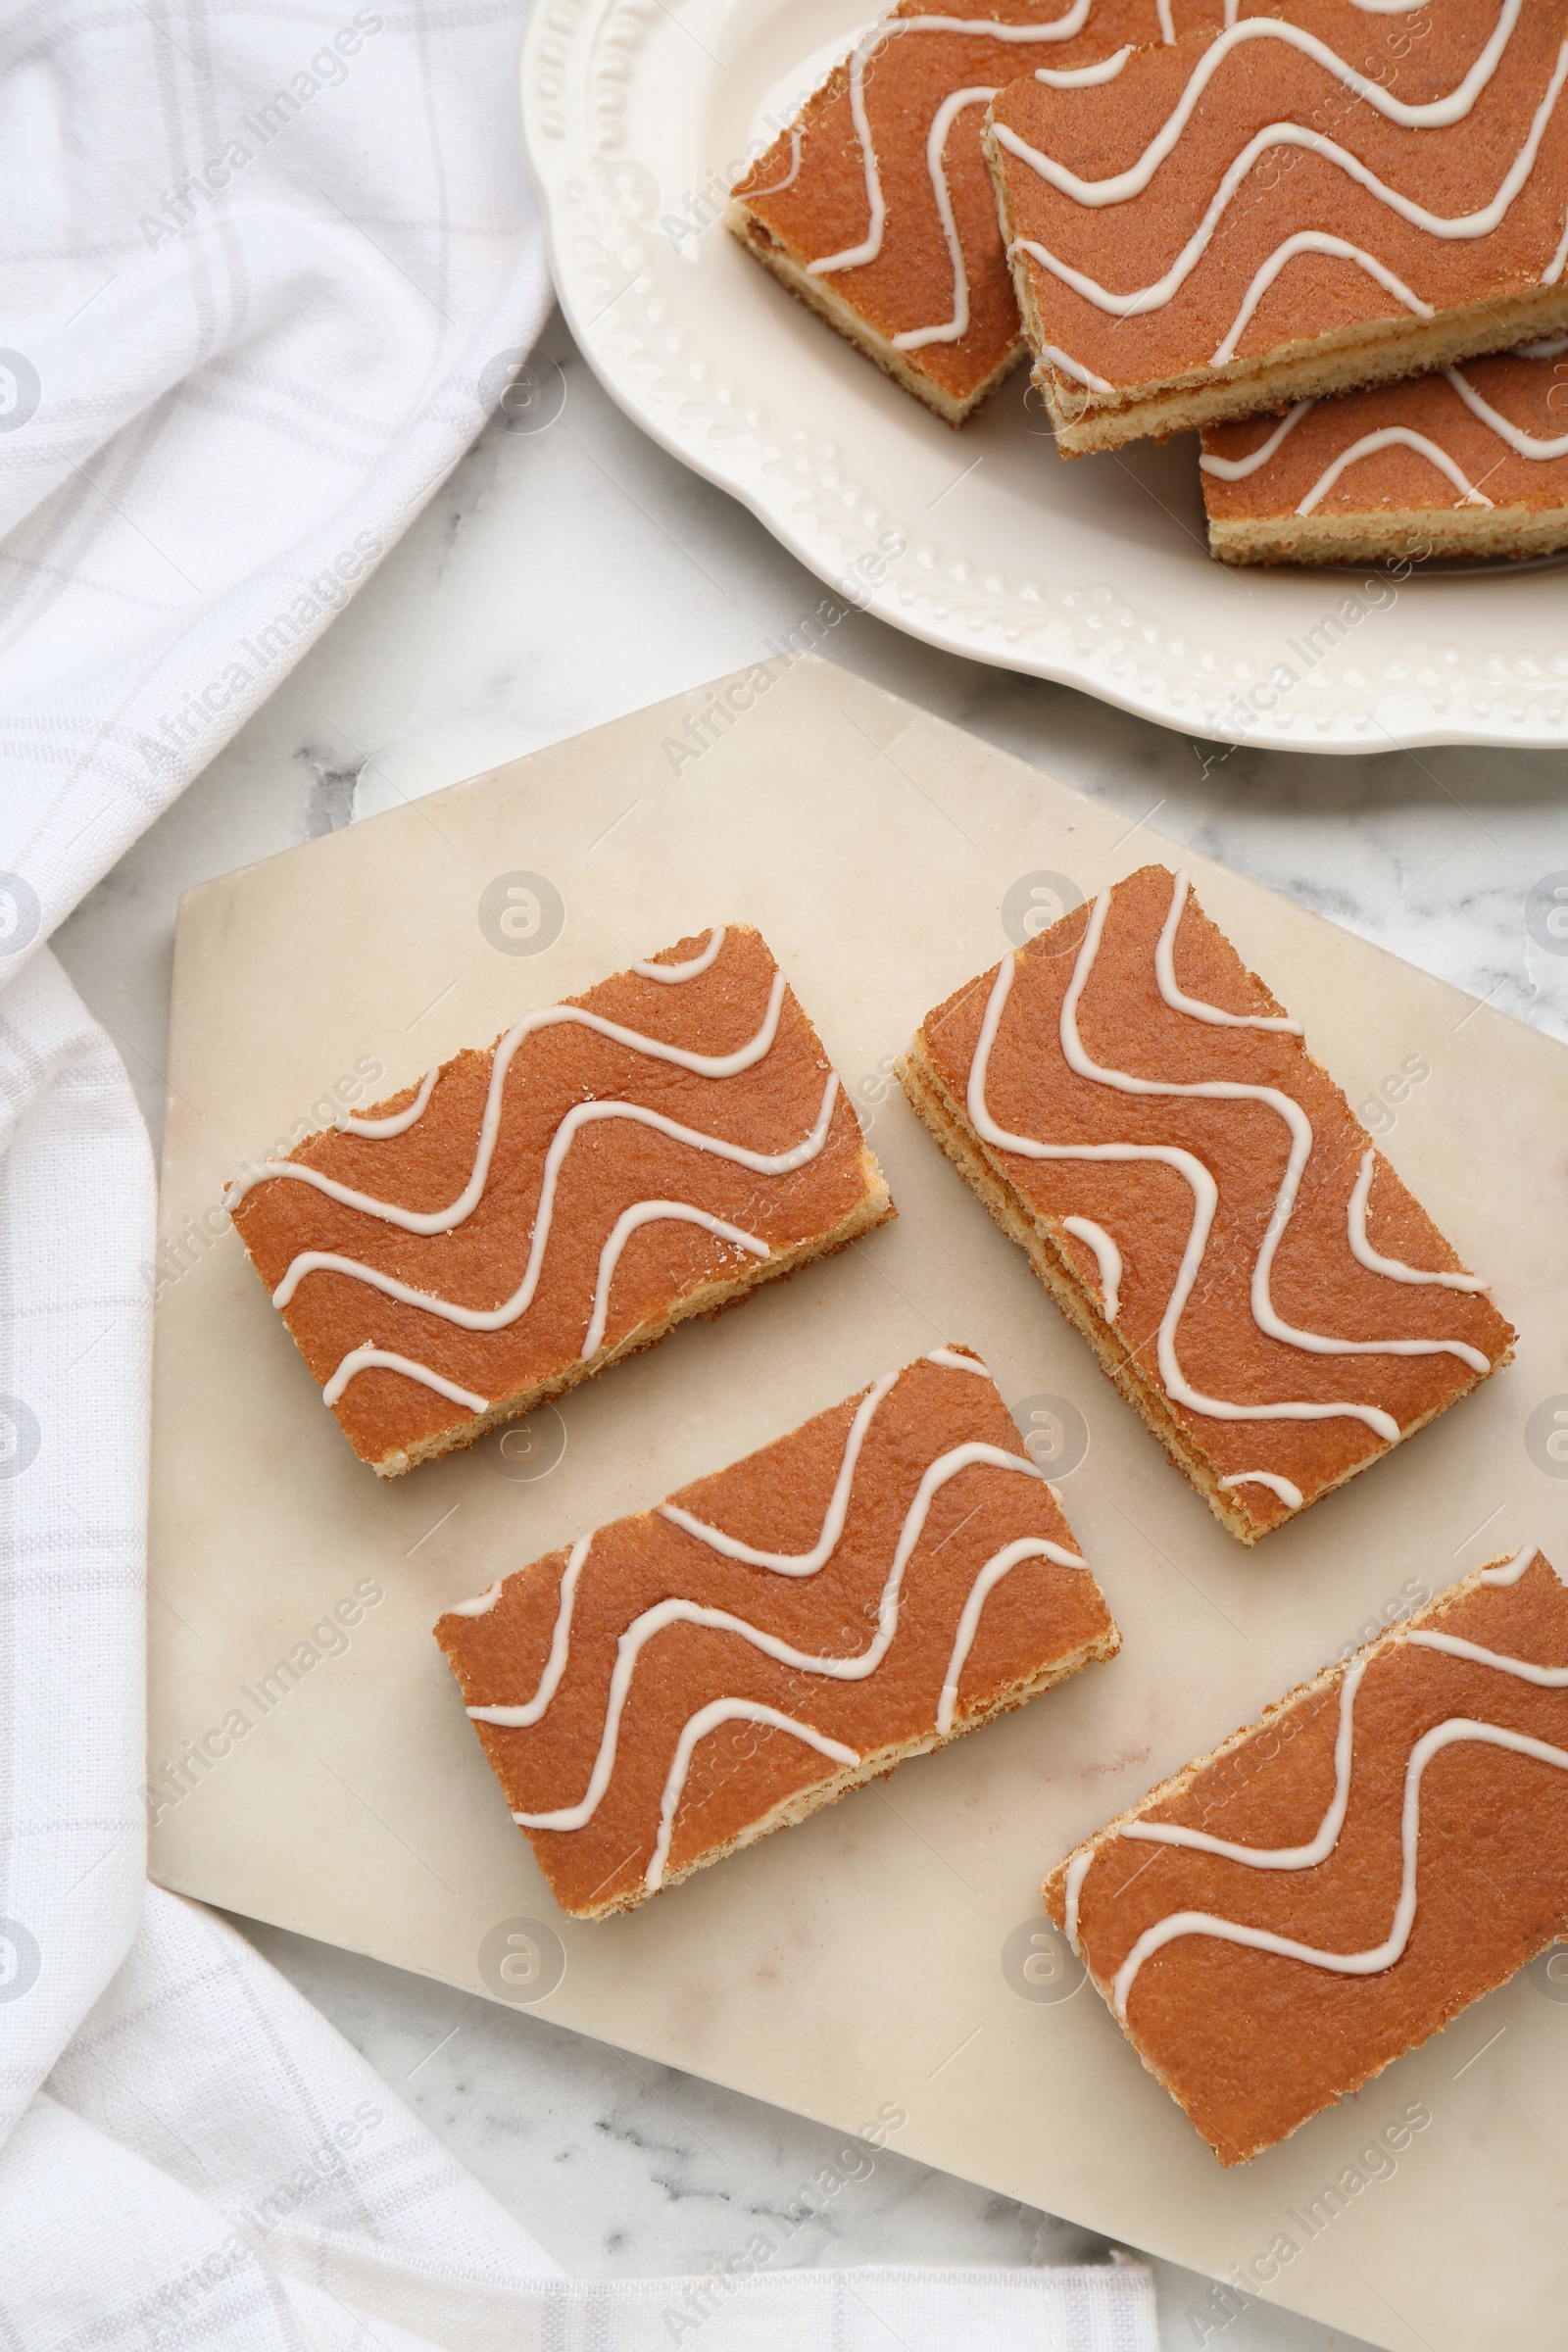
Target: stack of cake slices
x=1330 y=236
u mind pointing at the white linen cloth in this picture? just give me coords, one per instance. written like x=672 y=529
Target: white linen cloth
x=264 y=267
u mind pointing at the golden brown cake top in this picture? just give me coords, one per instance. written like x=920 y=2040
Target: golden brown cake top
x=889 y=1572
x=854 y=193
x=531 y=1204
x=1335 y=1883
x=1242 y=192
x=1491 y=433
x=1273 y=1278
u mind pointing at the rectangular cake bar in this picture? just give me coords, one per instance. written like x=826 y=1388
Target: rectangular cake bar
x=529 y=1213
x=891 y=1575
x=1135 y=1109
x=1259 y=1927
x=1470 y=461
x=1290 y=206
x=874 y=206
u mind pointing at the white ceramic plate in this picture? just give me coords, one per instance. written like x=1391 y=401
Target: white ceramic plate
x=638 y=114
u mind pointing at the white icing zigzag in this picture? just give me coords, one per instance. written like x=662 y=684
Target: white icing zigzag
x=697 y=1726
x=1237 y=469
x=399 y=1122
x=694 y=966
x=1377 y=1957
x=1107 y=1258
x=1194 y=1008
x=1288 y=1492
x=856 y=257
x=1508 y=1572
x=1306 y=1856
x=550 y=1017
x=1393 y=436
x=1121 y=187
x=776 y=187
x=582 y=1114
x=1523 y=444
x=653 y=1213
x=1118 y=187
x=854 y=1668
x=1066 y=28
x=1392 y=1268
x=805 y=1563
x=385 y=1359
x=1205 y=1192
x=916 y=338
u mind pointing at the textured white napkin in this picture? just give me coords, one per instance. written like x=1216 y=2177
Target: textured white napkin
x=227 y=2172
x=267 y=267
x=263 y=268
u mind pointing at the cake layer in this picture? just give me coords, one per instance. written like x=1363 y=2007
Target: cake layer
x=875 y=206
x=1286 y=209
x=1473 y=462
x=530 y=1214
x=1136 y=1109
x=891 y=1575
x=1276 y=1923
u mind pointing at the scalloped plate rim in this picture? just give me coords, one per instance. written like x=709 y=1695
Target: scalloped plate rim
x=552 y=162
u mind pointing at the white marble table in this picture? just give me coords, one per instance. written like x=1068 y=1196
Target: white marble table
x=561 y=576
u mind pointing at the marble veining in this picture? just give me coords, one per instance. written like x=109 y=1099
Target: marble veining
x=484 y=636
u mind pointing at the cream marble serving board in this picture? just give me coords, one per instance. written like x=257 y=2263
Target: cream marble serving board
x=861 y=1965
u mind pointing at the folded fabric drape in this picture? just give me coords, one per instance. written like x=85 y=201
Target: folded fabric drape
x=265 y=270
